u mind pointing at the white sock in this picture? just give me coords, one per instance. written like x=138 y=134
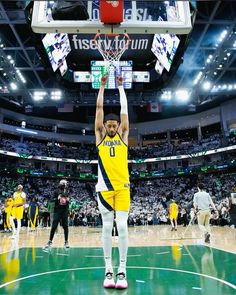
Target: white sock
x=13 y=225
x=18 y=226
x=107 y=220
x=122 y=226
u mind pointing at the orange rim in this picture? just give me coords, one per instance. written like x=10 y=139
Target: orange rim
x=112 y=35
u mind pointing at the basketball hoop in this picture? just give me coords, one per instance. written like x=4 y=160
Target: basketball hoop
x=111 y=47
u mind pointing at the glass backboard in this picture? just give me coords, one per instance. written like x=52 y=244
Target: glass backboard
x=140 y=17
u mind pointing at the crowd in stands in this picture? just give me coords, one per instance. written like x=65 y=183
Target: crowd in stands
x=149 y=205
x=194 y=146
x=89 y=151
x=232 y=140
x=57 y=150
x=164 y=149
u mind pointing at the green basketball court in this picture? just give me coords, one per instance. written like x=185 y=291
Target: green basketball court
x=151 y=270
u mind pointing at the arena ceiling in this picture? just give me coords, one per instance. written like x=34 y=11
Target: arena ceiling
x=207 y=68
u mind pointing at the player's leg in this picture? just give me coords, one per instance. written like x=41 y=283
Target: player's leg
x=64 y=223
x=207 y=226
x=19 y=217
x=172 y=223
x=30 y=223
x=5 y=225
x=175 y=222
x=122 y=205
x=201 y=222
x=12 y=217
x=56 y=220
x=32 y=219
x=122 y=226
x=105 y=200
x=18 y=227
x=233 y=217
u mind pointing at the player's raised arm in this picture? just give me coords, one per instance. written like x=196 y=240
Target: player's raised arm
x=99 y=128
x=124 y=119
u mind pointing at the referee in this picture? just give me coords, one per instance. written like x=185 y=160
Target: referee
x=202 y=202
x=61 y=212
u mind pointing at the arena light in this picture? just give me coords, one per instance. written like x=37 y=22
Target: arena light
x=26 y=131
x=13 y=86
x=182 y=95
x=56 y=95
x=209 y=58
x=224 y=87
x=20 y=76
x=198 y=78
x=223 y=35
x=214 y=89
x=206 y=85
x=166 y=95
x=39 y=95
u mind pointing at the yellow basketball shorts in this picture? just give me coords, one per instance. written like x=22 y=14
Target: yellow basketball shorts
x=17 y=212
x=118 y=200
x=173 y=216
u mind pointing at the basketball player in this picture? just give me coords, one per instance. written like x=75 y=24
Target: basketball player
x=113 y=188
x=33 y=214
x=19 y=200
x=232 y=208
x=61 y=212
x=7 y=211
x=173 y=215
x=202 y=202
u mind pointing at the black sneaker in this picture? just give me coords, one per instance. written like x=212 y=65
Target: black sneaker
x=207 y=238
x=66 y=246
x=48 y=247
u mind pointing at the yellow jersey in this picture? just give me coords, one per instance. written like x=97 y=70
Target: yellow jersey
x=113 y=173
x=18 y=197
x=173 y=209
x=9 y=203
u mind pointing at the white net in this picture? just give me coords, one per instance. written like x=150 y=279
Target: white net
x=111 y=47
